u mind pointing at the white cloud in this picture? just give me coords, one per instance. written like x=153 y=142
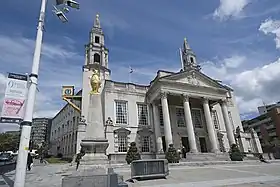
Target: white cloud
x=60 y=65
x=270 y=26
x=223 y=69
x=252 y=86
x=234 y=61
x=230 y=9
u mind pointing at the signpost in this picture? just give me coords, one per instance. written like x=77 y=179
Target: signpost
x=15 y=96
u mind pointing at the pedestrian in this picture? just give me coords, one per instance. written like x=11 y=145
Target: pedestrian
x=41 y=159
x=184 y=151
x=29 y=161
x=78 y=158
x=261 y=158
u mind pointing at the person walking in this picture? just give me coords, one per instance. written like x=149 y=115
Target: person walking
x=29 y=161
x=78 y=158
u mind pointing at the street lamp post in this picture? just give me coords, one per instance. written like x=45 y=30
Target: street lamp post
x=28 y=116
x=33 y=77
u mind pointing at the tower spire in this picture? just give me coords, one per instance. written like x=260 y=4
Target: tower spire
x=97 y=22
x=186 y=45
x=188 y=58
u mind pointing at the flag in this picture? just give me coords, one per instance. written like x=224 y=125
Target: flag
x=130 y=70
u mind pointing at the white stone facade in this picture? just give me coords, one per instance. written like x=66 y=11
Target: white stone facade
x=185 y=108
x=64 y=134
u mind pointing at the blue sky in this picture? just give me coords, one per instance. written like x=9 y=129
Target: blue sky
x=237 y=42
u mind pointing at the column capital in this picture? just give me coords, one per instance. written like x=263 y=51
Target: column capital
x=185 y=97
x=205 y=100
x=163 y=95
x=223 y=101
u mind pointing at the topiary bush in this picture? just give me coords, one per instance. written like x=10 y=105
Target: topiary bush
x=132 y=153
x=235 y=154
x=172 y=155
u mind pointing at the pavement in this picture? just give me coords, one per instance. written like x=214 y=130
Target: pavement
x=244 y=174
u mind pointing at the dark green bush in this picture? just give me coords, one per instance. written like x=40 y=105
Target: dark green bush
x=132 y=153
x=59 y=155
x=172 y=155
x=235 y=154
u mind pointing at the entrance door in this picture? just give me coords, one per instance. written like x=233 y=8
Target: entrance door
x=185 y=143
x=203 y=146
x=163 y=143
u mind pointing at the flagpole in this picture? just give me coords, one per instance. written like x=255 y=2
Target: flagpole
x=181 y=57
x=129 y=74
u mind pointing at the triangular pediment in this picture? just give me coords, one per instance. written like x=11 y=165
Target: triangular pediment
x=193 y=77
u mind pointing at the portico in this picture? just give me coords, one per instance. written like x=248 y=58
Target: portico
x=182 y=111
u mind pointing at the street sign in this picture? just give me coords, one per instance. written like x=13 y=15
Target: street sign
x=15 y=97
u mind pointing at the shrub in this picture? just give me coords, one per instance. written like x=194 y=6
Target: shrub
x=59 y=155
x=132 y=153
x=235 y=154
x=172 y=155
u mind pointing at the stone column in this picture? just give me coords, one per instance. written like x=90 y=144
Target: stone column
x=156 y=123
x=166 y=120
x=189 y=123
x=210 y=126
x=228 y=124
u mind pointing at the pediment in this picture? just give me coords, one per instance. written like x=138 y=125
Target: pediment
x=194 y=78
x=145 y=131
x=122 y=131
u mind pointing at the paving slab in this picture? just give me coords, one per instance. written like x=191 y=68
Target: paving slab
x=228 y=175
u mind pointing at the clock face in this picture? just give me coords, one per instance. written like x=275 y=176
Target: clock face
x=67 y=92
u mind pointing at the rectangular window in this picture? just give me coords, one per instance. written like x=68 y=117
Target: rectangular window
x=122 y=143
x=231 y=120
x=215 y=119
x=160 y=116
x=145 y=144
x=180 y=117
x=142 y=114
x=197 y=118
x=121 y=112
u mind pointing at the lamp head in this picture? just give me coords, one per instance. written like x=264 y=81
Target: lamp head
x=72 y=4
x=61 y=16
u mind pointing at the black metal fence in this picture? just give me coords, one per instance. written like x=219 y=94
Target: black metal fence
x=7 y=167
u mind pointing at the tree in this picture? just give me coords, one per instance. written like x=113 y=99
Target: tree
x=172 y=155
x=9 y=142
x=235 y=154
x=132 y=153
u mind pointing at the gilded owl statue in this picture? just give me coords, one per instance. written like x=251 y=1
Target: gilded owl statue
x=95 y=82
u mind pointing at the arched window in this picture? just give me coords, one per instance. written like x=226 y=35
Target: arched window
x=192 y=61
x=96 y=58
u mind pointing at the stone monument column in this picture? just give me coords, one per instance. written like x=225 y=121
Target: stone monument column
x=94 y=144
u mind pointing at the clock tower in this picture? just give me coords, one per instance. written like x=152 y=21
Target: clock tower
x=96 y=52
x=96 y=61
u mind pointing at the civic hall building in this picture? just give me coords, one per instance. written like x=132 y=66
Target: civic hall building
x=185 y=108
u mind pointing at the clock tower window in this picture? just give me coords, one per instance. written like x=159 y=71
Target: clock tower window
x=192 y=61
x=97 y=39
x=96 y=58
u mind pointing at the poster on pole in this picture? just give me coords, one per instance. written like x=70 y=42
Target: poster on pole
x=15 y=97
